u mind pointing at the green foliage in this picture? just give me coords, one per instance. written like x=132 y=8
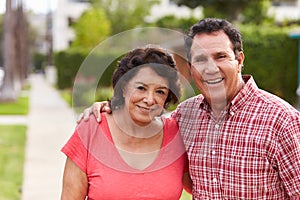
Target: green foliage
x=271 y=57
x=39 y=60
x=104 y=93
x=66 y=94
x=125 y=15
x=234 y=10
x=68 y=64
x=257 y=12
x=224 y=9
x=172 y=22
x=12 y=144
x=91 y=28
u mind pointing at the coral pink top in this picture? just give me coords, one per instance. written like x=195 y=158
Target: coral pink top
x=110 y=177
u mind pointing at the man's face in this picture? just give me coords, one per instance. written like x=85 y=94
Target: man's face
x=215 y=69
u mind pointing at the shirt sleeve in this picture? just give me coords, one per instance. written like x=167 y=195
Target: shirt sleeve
x=288 y=157
x=76 y=150
x=175 y=113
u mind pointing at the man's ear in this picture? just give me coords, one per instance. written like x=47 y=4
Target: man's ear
x=240 y=60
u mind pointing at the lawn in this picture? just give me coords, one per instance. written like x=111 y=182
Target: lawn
x=12 y=144
x=20 y=107
x=186 y=196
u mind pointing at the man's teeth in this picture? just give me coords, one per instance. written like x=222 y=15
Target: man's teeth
x=214 y=81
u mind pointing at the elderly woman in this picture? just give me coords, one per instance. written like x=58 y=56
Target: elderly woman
x=133 y=153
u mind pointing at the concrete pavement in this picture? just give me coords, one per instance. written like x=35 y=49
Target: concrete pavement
x=13 y=119
x=50 y=123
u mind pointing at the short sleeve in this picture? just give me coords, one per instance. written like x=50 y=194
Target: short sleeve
x=76 y=150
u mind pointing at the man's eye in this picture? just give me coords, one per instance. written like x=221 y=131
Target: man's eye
x=221 y=56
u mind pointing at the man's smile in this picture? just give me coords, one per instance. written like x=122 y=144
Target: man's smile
x=214 y=81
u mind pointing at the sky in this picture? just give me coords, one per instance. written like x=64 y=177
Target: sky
x=37 y=6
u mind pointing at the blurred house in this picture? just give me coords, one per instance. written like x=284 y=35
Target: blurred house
x=66 y=12
x=285 y=10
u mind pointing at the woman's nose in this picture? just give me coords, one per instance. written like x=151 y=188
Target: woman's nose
x=149 y=98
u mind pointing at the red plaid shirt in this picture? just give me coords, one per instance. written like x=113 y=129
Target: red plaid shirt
x=252 y=152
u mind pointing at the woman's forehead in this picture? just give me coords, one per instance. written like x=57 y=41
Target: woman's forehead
x=146 y=75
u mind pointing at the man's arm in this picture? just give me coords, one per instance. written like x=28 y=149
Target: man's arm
x=187 y=182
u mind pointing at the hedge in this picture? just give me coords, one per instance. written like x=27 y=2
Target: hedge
x=70 y=63
x=271 y=57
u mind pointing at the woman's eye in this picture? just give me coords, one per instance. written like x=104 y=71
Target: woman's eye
x=141 y=88
x=161 y=92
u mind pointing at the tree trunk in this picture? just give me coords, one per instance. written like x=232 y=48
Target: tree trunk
x=8 y=92
x=21 y=44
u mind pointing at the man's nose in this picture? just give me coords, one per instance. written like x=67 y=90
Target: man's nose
x=211 y=67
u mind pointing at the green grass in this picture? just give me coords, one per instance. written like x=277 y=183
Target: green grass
x=66 y=95
x=186 y=196
x=12 y=144
x=20 y=107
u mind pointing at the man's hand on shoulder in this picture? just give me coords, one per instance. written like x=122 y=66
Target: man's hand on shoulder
x=95 y=109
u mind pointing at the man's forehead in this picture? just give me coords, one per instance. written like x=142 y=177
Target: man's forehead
x=200 y=50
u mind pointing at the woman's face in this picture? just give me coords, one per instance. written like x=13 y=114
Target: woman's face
x=145 y=95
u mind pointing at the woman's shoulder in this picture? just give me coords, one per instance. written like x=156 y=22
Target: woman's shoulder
x=170 y=126
x=91 y=126
x=169 y=121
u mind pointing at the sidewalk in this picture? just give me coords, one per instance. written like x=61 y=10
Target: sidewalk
x=50 y=124
x=13 y=119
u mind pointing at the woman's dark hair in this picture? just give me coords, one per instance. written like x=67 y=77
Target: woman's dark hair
x=210 y=25
x=158 y=60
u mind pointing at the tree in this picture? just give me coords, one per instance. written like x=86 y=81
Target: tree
x=172 y=22
x=8 y=92
x=91 y=28
x=125 y=15
x=233 y=10
x=14 y=50
x=22 y=44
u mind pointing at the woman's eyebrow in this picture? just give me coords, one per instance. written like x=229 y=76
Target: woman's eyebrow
x=144 y=84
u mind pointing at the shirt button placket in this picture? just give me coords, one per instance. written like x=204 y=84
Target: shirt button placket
x=215 y=182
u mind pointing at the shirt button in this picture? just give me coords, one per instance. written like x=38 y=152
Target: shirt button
x=215 y=180
x=213 y=152
x=217 y=126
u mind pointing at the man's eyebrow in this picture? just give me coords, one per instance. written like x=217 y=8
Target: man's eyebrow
x=199 y=56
